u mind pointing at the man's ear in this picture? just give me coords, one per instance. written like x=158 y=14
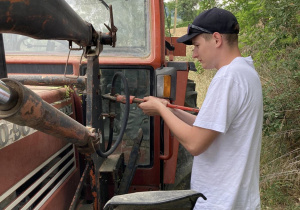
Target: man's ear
x=218 y=38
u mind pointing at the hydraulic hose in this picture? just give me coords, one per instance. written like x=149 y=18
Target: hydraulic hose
x=111 y=149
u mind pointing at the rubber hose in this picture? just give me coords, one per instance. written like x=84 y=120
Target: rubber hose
x=125 y=117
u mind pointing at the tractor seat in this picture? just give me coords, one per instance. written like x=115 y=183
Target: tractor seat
x=173 y=199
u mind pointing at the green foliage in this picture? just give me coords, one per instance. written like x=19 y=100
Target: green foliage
x=199 y=67
x=279 y=184
x=187 y=9
x=169 y=12
x=270 y=34
x=274 y=196
x=207 y=4
x=68 y=91
x=183 y=24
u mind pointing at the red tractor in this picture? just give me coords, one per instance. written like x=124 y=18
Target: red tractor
x=66 y=140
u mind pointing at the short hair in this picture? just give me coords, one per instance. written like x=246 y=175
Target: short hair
x=230 y=38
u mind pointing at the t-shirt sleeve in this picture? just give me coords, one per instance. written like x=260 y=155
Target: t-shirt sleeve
x=220 y=106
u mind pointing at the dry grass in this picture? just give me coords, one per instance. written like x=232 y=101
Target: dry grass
x=202 y=82
x=279 y=175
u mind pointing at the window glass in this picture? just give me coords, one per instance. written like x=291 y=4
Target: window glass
x=131 y=17
x=139 y=86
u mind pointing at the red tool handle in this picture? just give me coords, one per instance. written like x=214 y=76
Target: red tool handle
x=183 y=108
x=133 y=99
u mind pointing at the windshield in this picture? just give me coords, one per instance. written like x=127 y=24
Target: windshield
x=131 y=17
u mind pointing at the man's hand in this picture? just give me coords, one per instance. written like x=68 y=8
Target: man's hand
x=153 y=106
x=195 y=139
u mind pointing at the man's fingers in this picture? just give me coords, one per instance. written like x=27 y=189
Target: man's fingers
x=146 y=99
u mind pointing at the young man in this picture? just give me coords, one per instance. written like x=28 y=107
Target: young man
x=225 y=137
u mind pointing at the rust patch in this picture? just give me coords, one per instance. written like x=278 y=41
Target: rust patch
x=93 y=177
x=8 y=19
x=44 y=24
x=30 y=112
x=27 y=2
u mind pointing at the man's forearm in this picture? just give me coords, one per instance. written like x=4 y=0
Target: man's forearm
x=177 y=126
x=195 y=139
x=184 y=116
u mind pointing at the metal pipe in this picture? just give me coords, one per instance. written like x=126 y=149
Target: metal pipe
x=4 y=93
x=46 y=80
x=30 y=110
x=8 y=97
x=79 y=188
x=47 y=19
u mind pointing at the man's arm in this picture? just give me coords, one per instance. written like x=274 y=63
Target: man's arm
x=184 y=116
x=195 y=139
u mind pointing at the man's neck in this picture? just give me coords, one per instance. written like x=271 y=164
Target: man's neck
x=228 y=55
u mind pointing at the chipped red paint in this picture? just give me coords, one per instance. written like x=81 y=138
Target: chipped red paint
x=22 y=157
x=145 y=179
x=33 y=112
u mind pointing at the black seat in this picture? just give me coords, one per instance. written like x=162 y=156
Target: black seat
x=173 y=199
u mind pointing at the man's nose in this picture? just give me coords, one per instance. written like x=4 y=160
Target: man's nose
x=195 y=53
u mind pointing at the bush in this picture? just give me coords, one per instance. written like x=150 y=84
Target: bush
x=270 y=33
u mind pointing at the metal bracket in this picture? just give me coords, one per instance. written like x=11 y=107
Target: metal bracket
x=72 y=49
x=89 y=52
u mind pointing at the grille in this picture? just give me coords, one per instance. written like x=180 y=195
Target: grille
x=33 y=190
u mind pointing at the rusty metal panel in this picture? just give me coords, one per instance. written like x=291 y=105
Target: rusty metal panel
x=19 y=159
x=33 y=112
x=24 y=146
x=170 y=165
x=62 y=197
x=29 y=152
x=180 y=49
x=37 y=185
x=11 y=133
x=49 y=80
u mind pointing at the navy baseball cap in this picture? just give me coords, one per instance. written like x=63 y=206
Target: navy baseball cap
x=210 y=21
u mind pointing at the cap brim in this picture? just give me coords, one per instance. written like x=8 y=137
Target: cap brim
x=187 y=39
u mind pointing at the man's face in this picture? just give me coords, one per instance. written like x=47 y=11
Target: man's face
x=204 y=51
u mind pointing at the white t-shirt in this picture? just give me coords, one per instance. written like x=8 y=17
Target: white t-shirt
x=227 y=173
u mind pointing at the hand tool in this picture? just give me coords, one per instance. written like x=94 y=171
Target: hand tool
x=133 y=99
